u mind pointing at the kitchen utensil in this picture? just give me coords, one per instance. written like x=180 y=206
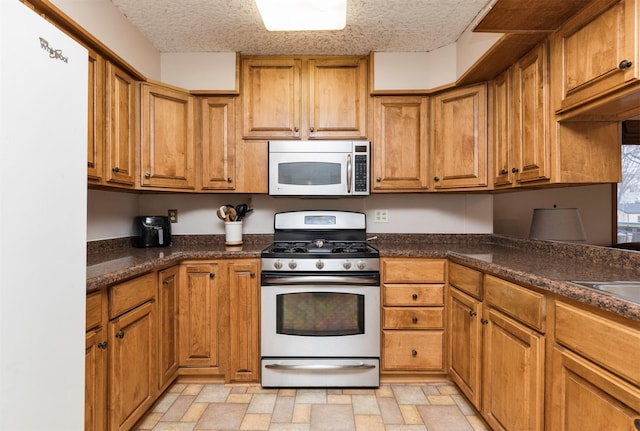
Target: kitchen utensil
x=241 y=211
x=232 y=214
x=222 y=213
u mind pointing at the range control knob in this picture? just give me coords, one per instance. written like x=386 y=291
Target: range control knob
x=277 y=264
x=319 y=264
x=292 y=264
x=346 y=264
x=361 y=264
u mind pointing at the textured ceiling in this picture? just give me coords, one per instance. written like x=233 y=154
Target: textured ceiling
x=235 y=26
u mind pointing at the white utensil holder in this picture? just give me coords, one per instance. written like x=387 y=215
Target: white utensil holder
x=233 y=232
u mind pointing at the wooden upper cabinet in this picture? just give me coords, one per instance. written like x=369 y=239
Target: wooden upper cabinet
x=596 y=51
x=531 y=116
x=500 y=109
x=337 y=98
x=95 y=130
x=167 y=137
x=304 y=98
x=460 y=138
x=120 y=128
x=217 y=161
x=400 y=143
x=271 y=98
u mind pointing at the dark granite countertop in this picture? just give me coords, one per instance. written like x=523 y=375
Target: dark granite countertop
x=545 y=265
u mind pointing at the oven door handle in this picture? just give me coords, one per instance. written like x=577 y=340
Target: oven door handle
x=320 y=279
x=320 y=367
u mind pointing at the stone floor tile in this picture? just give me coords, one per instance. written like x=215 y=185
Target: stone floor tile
x=410 y=414
x=256 y=422
x=213 y=393
x=192 y=389
x=409 y=394
x=194 y=412
x=219 y=416
x=311 y=396
x=369 y=423
x=440 y=400
x=390 y=411
x=359 y=391
x=178 y=408
x=289 y=427
x=149 y=421
x=286 y=392
x=262 y=403
x=477 y=424
x=384 y=391
x=165 y=402
x=448 y=390
x=406 y=428
x=301 y=413
x=338 y=399
x=255 y=389
x=365 y=405
x=174 y=426
x=334 y=391
x=283 y=410
x=334 y=417
x=444 y=418
x=464 y=405
x=430 y=389
x=178 y=387
x=239 y=389
x=239 y=398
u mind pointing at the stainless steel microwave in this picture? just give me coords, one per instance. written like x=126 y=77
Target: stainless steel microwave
x=319 y=168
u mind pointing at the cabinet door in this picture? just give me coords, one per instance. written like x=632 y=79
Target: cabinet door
x=464 y=335
x=199 y=316
x=587 y=398
x=400 y=146
x=271 y=102
x=597 y=51
x=531 y=116
x=244 y=320
x=513 y=374
x=95 y=385
x=167 y=141
x=460 y=138
x=503 y=157
x=217 y=143
x=168 y=326
x=95 y=131
x=119 y=138
x=132 y=366
x=338 y=98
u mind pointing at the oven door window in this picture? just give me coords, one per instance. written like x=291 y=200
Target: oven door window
x=320 y=314
x=309 y=173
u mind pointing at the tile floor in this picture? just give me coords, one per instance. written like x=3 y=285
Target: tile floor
x=403 y=407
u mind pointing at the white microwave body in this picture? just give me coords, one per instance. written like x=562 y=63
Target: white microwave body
x=319 y=168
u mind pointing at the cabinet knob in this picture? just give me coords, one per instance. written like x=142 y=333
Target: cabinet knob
x=472 y=313
x=625 y=64
x=116 y=169
x=414 y=319
x=165 y=281
x=436 y=179
x=484 y=321
x=229 y=180
x=312 y=129
x=515 y=170
x=120 y=334
x=212 y=275
x=414 y=296
x=252 y=274
x=102 y=345
x=378 y=179
x=414 y=353
x=295 y=129
x=504 y=172
x=636 y=423
x=147 y=175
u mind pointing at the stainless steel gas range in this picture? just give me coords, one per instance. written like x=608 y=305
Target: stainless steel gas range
x=320 y=309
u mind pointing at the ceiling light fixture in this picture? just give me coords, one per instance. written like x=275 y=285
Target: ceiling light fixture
x=303 y=15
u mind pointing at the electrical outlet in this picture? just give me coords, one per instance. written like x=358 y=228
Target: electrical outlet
x=381 y=216
x=173 y=216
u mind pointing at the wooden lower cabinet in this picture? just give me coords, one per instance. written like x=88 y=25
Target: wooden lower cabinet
x=95 y=392
x=168 y=326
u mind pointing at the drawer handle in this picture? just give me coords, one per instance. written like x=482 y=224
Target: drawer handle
x=414 y=296
x=625 y=64
x=636 y=423
x=414 y=319
x=484 y=321
x=102 y=345
x=472 y=313
x=120 y=334
x=212 y=275
x=414 y=353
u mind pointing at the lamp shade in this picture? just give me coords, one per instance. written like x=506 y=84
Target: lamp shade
x=557 y=224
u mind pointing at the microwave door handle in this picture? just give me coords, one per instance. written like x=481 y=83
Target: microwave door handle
x=349 y=173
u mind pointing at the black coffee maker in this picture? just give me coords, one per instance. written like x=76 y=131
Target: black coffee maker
x=151 y=231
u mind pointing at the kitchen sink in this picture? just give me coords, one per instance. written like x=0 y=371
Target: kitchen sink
x=629 y=290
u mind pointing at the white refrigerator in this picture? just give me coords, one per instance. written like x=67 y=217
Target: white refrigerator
x=43 y=146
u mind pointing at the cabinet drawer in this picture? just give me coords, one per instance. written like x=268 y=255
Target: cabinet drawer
x=413 y=350
x=130 y=294
x=466 y=279
x=610 y=344
x=413 y=318
x=94 y=310
x=418 y=294
x=520 y=303
x=413 y=270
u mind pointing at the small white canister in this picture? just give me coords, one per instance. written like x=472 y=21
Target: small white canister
x=233 y=232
